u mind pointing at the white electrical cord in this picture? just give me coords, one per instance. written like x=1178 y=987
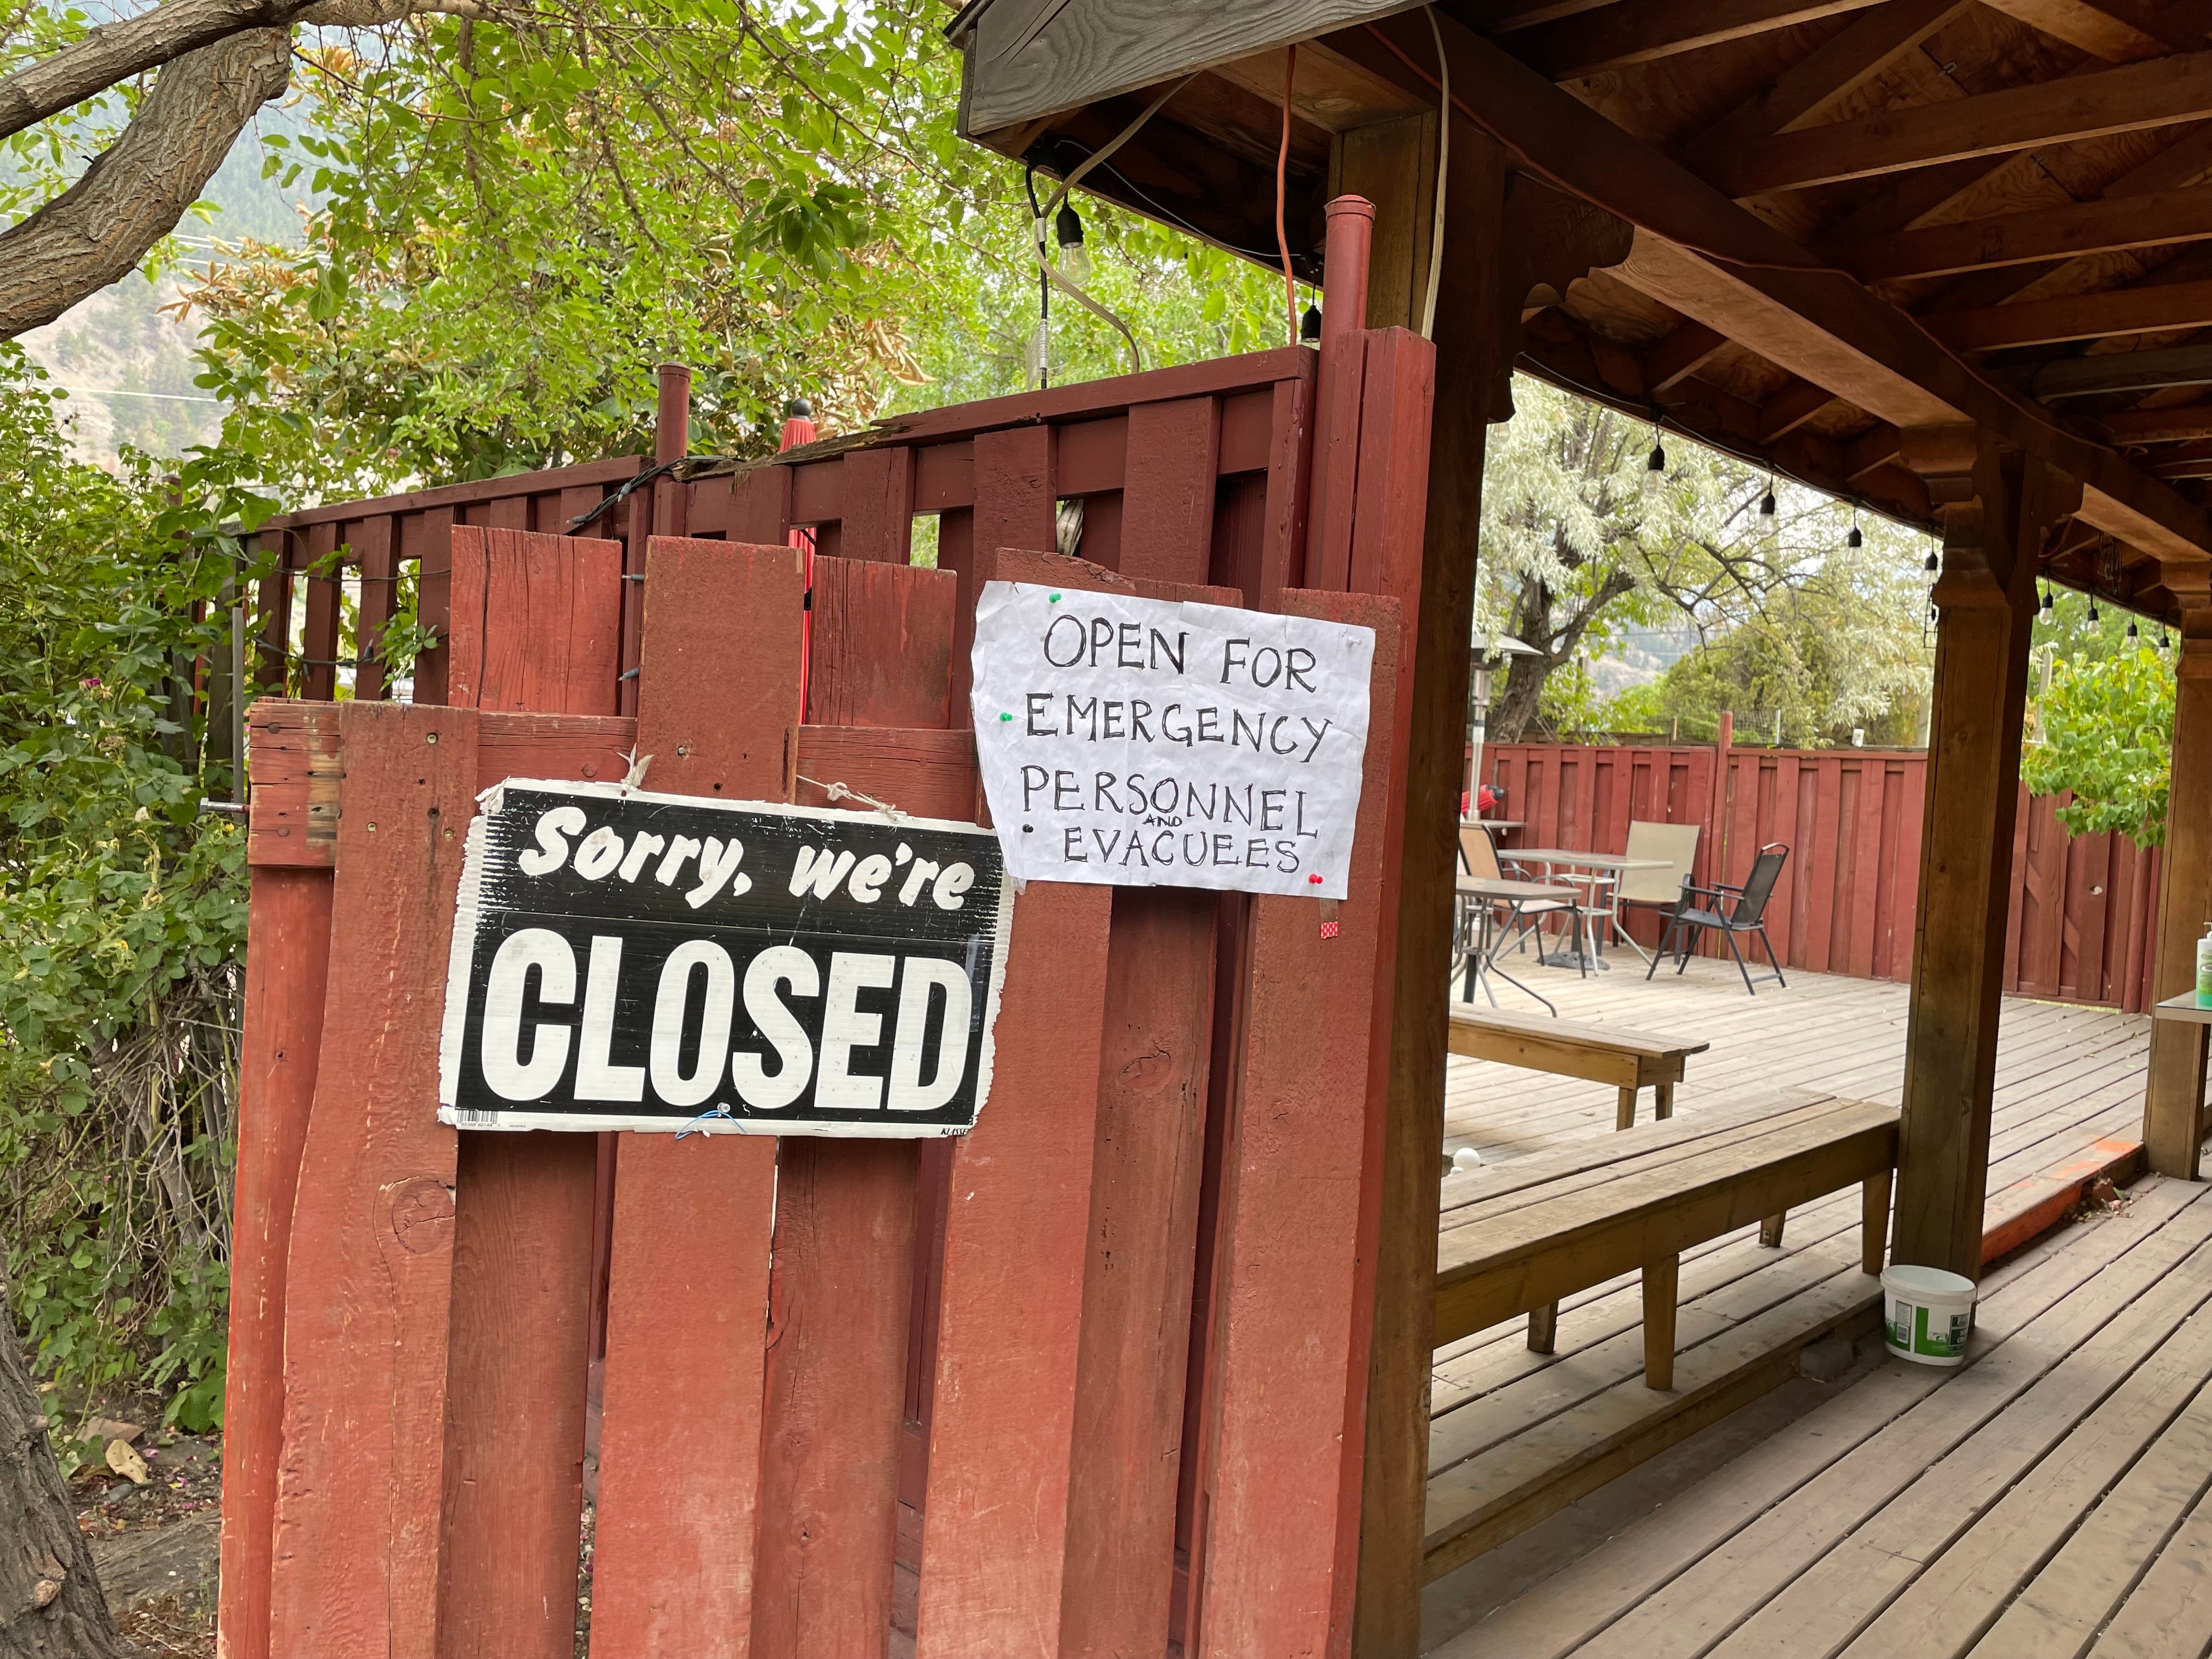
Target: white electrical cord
x=1444 y=163
x=1044 y=215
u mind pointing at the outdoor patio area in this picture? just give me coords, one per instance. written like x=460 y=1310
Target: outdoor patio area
x=2049 y=1499
x=1518 y=1437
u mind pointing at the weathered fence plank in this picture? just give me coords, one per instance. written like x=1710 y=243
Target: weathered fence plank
x=544 y=634
x=357 y=1563
x=687 y=1306
x=840 y=1295
x=286 y=981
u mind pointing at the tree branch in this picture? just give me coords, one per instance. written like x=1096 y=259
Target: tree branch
x=116 y=52
x=134 y=192
x=113 y=52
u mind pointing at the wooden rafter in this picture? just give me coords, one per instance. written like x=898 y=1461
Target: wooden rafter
x=2158 y=426
x=1504 y=17
x=2185 y=461
x=1785 y=411
x=1681 y=354
x=2101 y=226
x=2125 y=371
x=1833 y=70
x=1645 y=30
x=2076 y=317
x=2186 y=163
x=2118 y=30
x=1748 y=279
x=2159 y=93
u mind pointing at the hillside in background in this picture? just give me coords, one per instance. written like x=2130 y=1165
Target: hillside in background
x=128 y=365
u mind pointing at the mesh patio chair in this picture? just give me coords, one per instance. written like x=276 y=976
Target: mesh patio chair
x=1746 y=914
x=1658 y=889
x=1478 y=857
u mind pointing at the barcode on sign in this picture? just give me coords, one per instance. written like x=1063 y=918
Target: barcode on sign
x=467 y=1117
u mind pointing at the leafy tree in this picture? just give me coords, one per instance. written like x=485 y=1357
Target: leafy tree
x=121 y=917
x=1840 y=650
x=521 y=216
x=2101 y=726
x=1580 y=540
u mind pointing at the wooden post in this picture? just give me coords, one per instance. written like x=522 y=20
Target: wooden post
x=2173 y=1090
x=1720 y=807
x=1504 y=239
x=1994 y=511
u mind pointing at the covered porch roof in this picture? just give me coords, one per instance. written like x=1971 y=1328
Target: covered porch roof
x=1849 y=219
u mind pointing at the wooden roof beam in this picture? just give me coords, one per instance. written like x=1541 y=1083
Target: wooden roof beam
x=2159 y=93
x=1504 y=17
x=2104 y=225
x=2118 y=30
x=2186 y=461
x=2075 y=317
x=2124 y=371
x=1785 y=411
x=1645 y=30
x=2158 y=426
x=1752 y=282
x=2181 y=164
x=1830 y=72
x=1681 y=354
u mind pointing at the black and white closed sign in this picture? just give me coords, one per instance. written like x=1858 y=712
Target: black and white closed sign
x=631 y=961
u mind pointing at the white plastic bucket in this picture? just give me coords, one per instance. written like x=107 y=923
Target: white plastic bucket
x=1926 y=1315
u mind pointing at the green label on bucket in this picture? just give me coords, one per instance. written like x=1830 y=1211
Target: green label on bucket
x=1910 y=1333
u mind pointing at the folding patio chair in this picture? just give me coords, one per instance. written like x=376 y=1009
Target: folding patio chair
x=1478 y=856
x=1658 y=889
x=1745 y=914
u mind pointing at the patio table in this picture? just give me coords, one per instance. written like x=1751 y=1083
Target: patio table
x=1484 y=895
x=1606 y=867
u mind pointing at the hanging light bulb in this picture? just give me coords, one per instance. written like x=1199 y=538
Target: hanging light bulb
x=1857 y=538
x=2092 y=607
x=1074 y=258
x=2164 y=643
x=2046 y=601
x=1655 y=466
x=2134 y=633
x=1309 y=325
x=1767 y=509
x=1931 y=564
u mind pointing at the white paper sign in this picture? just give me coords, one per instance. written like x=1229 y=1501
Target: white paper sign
x=1139 y=742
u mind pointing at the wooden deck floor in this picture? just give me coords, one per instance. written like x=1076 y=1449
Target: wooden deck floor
x=2051 y=1498
x=1515 y=1437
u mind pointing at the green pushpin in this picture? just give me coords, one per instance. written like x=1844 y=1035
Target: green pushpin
x=1054 y=600
x=1006 y=717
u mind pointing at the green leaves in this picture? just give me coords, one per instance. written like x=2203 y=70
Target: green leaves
x=121 y=913
x=2104 y=730
x=521 y=219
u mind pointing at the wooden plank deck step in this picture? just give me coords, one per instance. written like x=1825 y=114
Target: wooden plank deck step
x=1770 y=1553
x=1516 y=1436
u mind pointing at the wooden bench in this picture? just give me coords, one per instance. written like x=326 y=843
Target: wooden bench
x=1518 y=1237
x=1603 y=1053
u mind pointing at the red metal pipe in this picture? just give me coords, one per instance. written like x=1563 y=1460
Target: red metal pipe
x=1336 y=393
x=1344 y=271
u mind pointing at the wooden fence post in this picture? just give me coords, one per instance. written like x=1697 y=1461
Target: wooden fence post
x=2174 y=1090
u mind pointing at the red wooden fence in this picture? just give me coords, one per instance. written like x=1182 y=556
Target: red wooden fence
x=1090 y=1380
x=2083 y=909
